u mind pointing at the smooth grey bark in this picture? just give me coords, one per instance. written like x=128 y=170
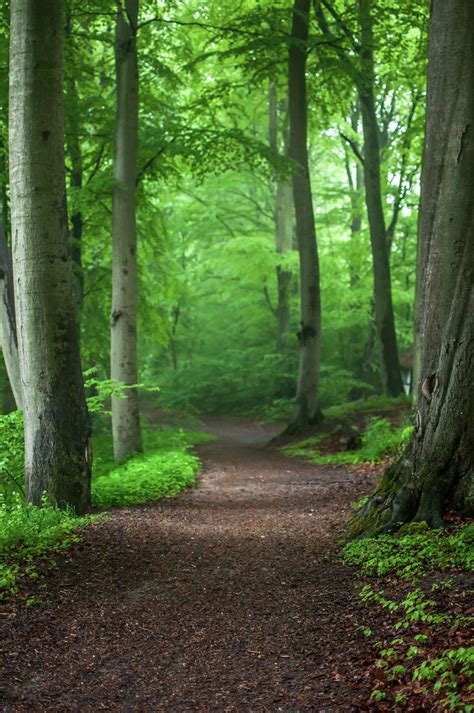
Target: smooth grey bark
x=307 y=408
x=283 y=225
x=125 y=412
x=57 y=434
x=384 y=316
x=355 y=179
x=8 y=334
x=436 y=471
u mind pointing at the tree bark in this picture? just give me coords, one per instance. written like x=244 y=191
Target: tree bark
x=57 y=443
x=390 y=369
x=436 y=471
x=283 y=226
x=307 y=408
x=8 y=334
x=73 y=146
x=125 y=412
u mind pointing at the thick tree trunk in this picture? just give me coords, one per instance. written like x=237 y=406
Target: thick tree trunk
x=125 y=412
x=57 y=450
x=436 y=471
x=391 y=376
x=307 y=409
x=8 y=336
x=283 y=226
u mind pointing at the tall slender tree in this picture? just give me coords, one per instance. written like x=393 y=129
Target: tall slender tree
x=57 y=450
x=436 y=471
x=307 y=408
x=125 y=412
x=384 y=317
x=283 y=220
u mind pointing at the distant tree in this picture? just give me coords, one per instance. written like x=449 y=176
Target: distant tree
x=125 y=412
x=57 y=451
x=283 y=218
x=436 y=471
x=384 y=317
x=307 y=408
x=8 y=335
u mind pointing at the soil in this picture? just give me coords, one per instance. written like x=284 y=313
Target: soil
x=231 y=597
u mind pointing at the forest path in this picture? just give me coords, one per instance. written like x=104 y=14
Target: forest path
x=228 y=598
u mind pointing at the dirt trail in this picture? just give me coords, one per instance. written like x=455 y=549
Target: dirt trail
x=228 y=598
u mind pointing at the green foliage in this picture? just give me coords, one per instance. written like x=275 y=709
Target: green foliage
x=379 y=440
x=413 y=551
x=443 y=673
x=418 y=654
x=29 y=534
x=11 y=454
x=373 y=403
x=163 y=470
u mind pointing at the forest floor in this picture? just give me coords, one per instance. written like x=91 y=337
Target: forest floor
x=231 y=597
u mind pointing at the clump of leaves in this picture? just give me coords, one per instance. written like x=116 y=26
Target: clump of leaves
x=146 y=477
x=413 y=551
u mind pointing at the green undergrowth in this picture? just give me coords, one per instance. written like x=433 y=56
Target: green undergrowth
x=162 y=470
x=31 y=535
x=378 y=404
x=419 y=579
x=414 y=551
x=379 y=440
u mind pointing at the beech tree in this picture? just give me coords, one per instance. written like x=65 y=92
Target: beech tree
x=125 y=412
x=436 y=470
x=57 y=451
x=307 y=408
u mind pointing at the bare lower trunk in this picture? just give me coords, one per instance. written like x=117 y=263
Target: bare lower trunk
x=307 y=409
x=125 y=412
x=436 y=471
x=391 y=376
x=57 y=451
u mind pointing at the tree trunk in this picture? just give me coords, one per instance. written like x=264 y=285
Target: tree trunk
x=8 y=335
x=436 y=471
x=391 y=376
x=57 y=445
x=125 y=412
x=307 y=409
x=73 y=145
x=283 y=226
